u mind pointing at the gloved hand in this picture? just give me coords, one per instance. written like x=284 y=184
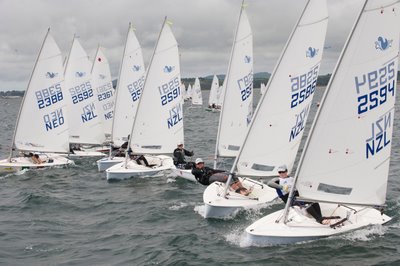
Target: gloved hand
x=286 y=188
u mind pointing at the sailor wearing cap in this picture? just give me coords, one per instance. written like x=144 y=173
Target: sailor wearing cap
x=179 y=157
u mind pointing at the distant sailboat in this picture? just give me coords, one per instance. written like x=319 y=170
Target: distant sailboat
x=197 y=98
x=129 y=88
x=101 y=79
x=189 y=92
x=263 y=88
x=282 y=110
x=345 y=161
x=158 y=125
x=213 y=97
x=42 y=123
x=85 y=123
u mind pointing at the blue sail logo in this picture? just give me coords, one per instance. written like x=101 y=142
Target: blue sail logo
x=311 y=52
x=80 y=74
x=247 y=59
x=383 y=43
x=168 y=69
x=51 y=75
x=136 y=68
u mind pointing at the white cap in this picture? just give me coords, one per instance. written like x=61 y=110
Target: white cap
x=199 y=160
x=180 y=143
x=282 y=168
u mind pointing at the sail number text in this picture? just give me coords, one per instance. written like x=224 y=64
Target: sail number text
x=303 y=86
x=135 y=88
x=245 y=86
x=104 y=92
x=81 y=92
x=49 y=96
x=374 y=88
x=170 y=91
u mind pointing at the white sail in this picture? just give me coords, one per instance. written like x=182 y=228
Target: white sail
x=189 y=92
x=262 y=88
x=221 y=94
x=197 y=98
x=101 y=79
x=237 y=107
x=213 y=97
x=183 y=91
x=84 y=117
x=158 y=125
x=42 y=124
x=278 y=123
x=129 y=88
x=347 y=155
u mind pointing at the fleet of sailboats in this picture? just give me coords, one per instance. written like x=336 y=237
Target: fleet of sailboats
x=128 y=91
x=158 y=124
x=344 y=164
x=345 y=161
x=270 y=140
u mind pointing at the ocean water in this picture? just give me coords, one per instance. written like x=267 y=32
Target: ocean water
x=73 y=216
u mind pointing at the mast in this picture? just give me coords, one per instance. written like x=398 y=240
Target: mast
x=226 y=86
x=23 y=100
x=292 y=190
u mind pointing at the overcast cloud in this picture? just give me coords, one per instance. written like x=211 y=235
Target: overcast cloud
x=203 y=28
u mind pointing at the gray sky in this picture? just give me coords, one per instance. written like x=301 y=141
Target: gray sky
x=203 y=28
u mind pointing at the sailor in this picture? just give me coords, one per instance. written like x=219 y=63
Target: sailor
x=179 y=157
x=206 y=175
x=284 y=183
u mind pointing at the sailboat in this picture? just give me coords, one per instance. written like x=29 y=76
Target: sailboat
x=42 y=124
x=345 y=161
x=158 y=125
x=275 y=131
x=197 y=98
x=85 y=123
x=129 y=88
x=101 y=79
x=213 y=97
x=263 y=87
x=189 y=92
x=237 y=110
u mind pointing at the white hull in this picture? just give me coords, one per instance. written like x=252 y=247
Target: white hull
x=21 y=163
x=214 y=110
x=132 y=169
x=87 y=153
x=218 y=206
x=302 y=227
x=184 y=173
x=105 y=163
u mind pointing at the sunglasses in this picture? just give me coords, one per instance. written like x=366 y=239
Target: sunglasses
x=281 y=172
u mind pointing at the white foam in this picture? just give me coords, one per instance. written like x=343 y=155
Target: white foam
x=178 y=206
x=365 y=234
x=200 y=209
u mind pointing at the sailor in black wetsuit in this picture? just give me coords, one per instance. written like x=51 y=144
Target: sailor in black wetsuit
x=179 y=157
